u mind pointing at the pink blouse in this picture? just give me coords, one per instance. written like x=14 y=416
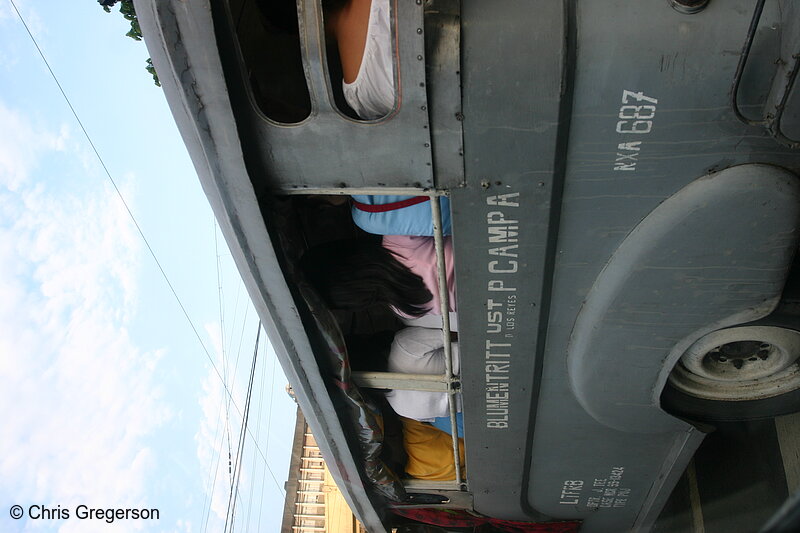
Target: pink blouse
x=419 y=255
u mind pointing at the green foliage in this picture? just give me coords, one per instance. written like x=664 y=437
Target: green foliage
x=152 y=70
x=129 y=12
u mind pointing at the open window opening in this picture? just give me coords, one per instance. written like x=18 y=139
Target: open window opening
x=394 y=366
x=269 y=39
x=362 y=56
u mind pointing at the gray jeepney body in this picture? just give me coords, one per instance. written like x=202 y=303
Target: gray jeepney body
x=608 y=210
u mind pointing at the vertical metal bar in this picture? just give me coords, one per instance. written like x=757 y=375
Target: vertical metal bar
x=737 y=77
x=444 y=301
x=312 y=48
x=698 y=524
x=774 y=123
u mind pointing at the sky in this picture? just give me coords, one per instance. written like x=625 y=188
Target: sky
x=108 y=395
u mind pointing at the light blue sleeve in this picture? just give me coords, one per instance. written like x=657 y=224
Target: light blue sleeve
x=443 y=423
x=411 y=220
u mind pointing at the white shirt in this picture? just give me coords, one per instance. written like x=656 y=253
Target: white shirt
x=371 y=95
x=431 y=321
x=420 y=351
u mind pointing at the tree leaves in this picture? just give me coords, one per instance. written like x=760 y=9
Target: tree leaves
x=135 y=33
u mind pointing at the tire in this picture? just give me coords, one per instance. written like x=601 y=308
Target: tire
x=742 y=373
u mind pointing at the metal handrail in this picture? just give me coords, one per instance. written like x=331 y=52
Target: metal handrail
x=350 y=191
x=772 y=121
x=743 y=57
x=400 y=381
x=444 y=306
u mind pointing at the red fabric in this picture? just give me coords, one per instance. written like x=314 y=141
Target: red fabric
x=391 y=206
x=458 y=518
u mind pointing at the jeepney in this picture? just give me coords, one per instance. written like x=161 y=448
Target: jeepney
x=625 y=207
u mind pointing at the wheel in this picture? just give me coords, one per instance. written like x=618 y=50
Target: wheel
x=740 y=373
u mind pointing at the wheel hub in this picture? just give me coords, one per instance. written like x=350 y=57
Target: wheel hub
x=739 y=353
x=743 y=363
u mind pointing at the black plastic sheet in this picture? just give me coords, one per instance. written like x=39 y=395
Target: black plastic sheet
x=358 y=416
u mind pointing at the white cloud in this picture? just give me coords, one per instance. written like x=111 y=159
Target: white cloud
x=14 y=41
x=77 y=397
x=8 y=15
x=21 y=145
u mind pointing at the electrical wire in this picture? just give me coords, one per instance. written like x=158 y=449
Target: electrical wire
x=269 y=425
x=124 y=203
x=231 y=513
x=220 y=298
x=142 y=235
x=209 y=493
x=258 y=434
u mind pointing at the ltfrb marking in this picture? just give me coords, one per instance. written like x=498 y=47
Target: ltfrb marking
x=607 y=492
x=571 y=492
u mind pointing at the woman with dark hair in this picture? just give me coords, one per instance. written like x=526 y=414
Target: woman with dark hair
x=400 y=273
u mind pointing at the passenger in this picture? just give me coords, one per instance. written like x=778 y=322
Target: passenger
x=418 y=254
x=400 y=273
x=429 y=452
x=363 y=34
x=362 y=29
x=418 y=350
x=413 y=350
x=418 y=448
x=398 y=215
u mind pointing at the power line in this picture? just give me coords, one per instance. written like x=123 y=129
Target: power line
x=130 y=213
x=220 y=298
x=140 y=231
x=266 y=468
x=269 y=425
x=236 y=314
x=258 y=433
x=212 y=483
x=122 y=199
x=242 y=439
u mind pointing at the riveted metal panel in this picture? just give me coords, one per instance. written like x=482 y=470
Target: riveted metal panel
x=330 y=149
x=514 y=59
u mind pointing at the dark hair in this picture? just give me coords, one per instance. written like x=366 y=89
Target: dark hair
x=353 y=274
x=369 y=352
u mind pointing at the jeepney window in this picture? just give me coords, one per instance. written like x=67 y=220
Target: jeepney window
x=269 y=40
x=369 y=332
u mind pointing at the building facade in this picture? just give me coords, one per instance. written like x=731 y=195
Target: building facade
x=313 y=501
